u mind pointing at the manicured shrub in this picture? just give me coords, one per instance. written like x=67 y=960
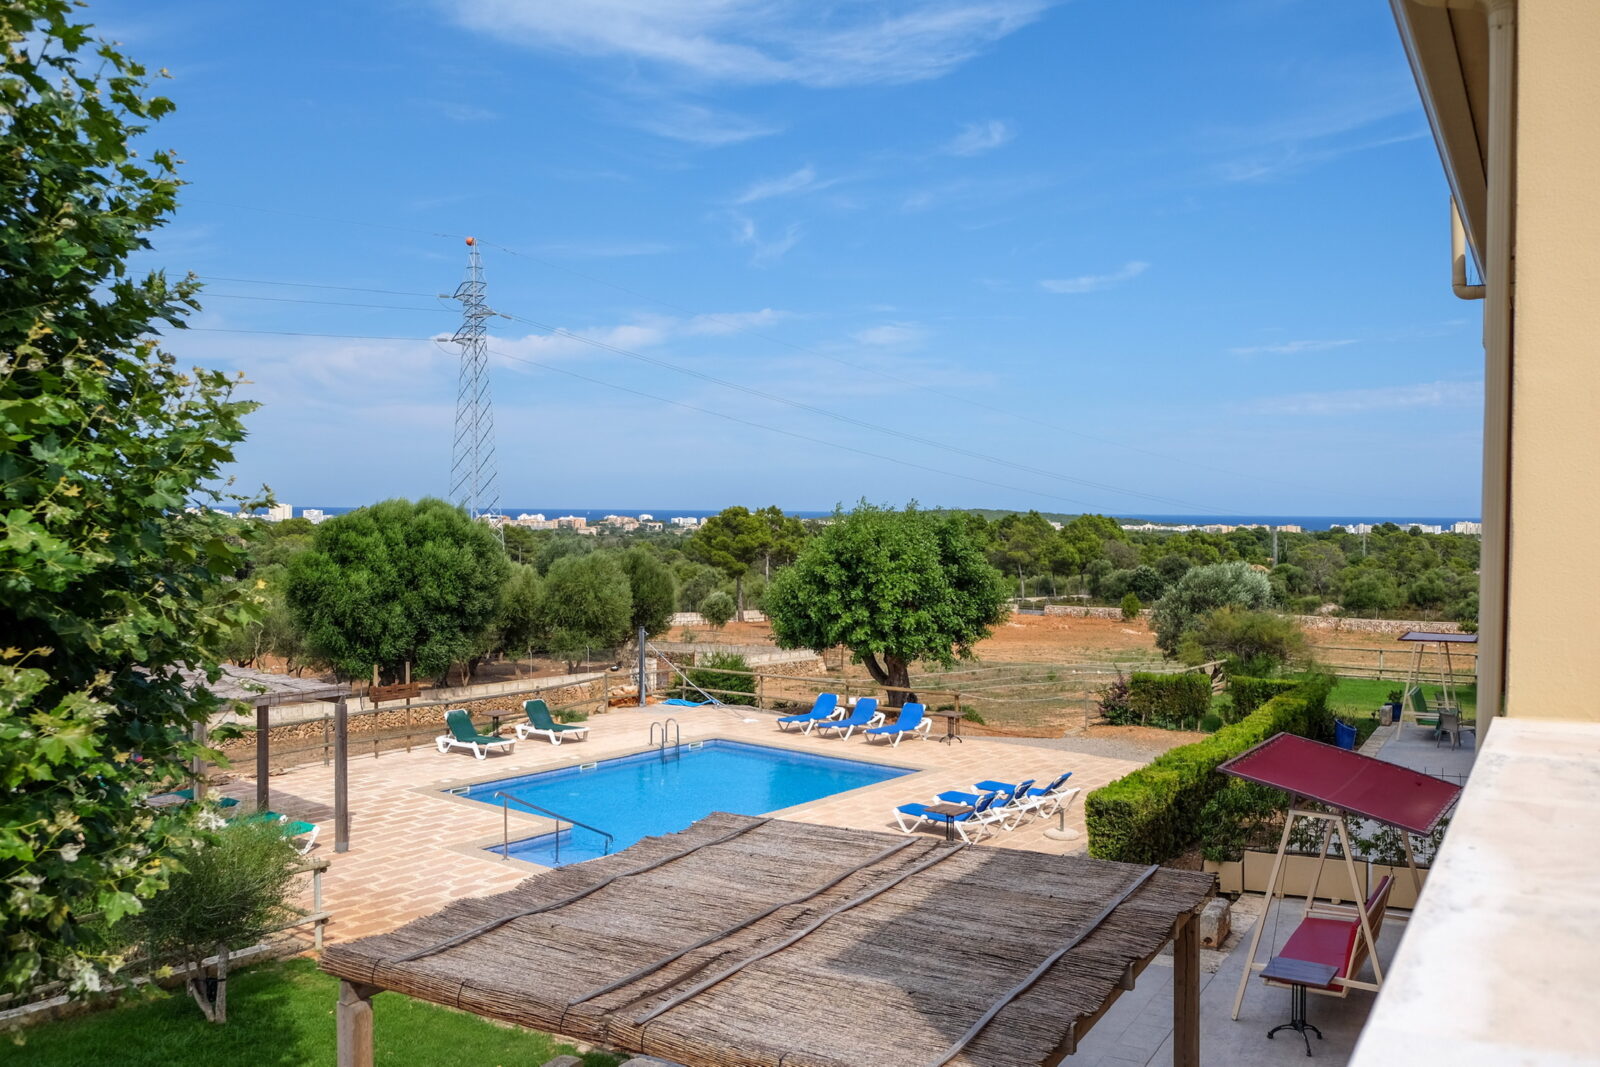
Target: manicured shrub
x=1170 y=701
x=1131 y=606
x=1155 y=813
x=1211 y=722
x=716 y=675
x=1250 y=693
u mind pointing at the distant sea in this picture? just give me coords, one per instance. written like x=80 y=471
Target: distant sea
x=1309 y=522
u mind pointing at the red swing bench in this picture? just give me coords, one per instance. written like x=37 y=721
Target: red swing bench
x=1330 y=934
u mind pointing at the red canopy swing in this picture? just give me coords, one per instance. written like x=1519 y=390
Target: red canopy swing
x=1346 y=783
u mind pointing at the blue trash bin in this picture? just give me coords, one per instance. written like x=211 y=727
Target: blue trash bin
x=1344 y=735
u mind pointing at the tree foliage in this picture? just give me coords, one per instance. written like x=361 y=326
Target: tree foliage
x=1253 y=643
x=717 y=608
x=654 y=594
x=586 y=605
x=1201 y=591
x=398 y=583
x=731 y=541
x=894 y=587
x=107 y=584
x=230 y=893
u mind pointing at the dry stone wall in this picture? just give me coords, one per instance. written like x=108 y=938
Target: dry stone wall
x=1334 y=623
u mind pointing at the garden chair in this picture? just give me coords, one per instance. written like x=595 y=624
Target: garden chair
x=540 y=724
x=912 y=720
x=465 y=735
x=826 y=707
x=865 y=714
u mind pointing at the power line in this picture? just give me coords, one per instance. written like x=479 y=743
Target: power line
x=787 y=433
x=304 y=333
x=325 y=303
x=309 y=285
x=851 y=420
x=907 y=382
x=1253 y=477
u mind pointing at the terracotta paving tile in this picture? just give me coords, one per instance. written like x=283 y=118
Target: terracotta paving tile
x=411 y=843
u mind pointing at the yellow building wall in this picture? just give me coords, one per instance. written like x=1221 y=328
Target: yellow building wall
x=1553 y=623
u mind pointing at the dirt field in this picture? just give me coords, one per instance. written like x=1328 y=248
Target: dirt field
x=1041 y=675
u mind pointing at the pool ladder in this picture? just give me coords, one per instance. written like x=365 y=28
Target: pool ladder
x=506 y=800
x=677 y=737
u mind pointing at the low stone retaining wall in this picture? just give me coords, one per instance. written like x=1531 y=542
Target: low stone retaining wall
x=1334 y=623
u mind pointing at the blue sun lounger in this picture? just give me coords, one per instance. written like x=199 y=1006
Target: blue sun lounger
x=976 y=820
x=911 y=721
x=1044 y=801
x=866 y=714
x=1012 y=805
x=826 y=707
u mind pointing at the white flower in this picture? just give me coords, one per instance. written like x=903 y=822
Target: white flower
x=69 y=853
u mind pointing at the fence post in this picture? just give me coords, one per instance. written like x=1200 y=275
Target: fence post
x=605 y=691
x=761 y=691
x=1380 y=664
x=325 y=740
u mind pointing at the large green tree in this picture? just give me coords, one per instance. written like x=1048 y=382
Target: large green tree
x=108 y=585
x=731 y=541
x=786 y=535
x=894 y=587
x=398 y=583
x=1201 y=591
x=586 y=605
x=654 y=593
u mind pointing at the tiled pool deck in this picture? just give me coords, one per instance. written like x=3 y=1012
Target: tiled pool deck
x=413 y=848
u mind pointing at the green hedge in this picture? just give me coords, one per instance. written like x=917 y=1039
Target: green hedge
x=1153 y=814
x=1250 y=693
x=714 y=674
x=1170 y=701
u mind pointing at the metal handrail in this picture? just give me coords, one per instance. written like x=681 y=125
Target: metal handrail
x=505 y=820
x=677 y=736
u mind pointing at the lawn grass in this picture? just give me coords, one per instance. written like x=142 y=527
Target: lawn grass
x=1360 y=696
x=280 y=1014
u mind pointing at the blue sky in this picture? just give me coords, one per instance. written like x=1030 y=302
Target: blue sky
x=1131 y=257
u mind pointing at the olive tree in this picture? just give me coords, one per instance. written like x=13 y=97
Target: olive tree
x=1201 y=591
x=894 y=587
x=586 y=604
x=109 y=584
x=653 y=592
x=230 y=893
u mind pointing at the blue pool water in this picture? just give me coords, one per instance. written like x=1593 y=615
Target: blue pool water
x=639 y=796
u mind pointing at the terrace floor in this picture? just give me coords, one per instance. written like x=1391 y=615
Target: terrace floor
x=414 y=848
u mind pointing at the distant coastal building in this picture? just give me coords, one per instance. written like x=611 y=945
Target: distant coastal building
x=685 y=522
x=279 y=512
x=645 y=516
x=572 y=522
x=1425 y=527
x=1291 y=528
x=313 y=515
x=1467 y=527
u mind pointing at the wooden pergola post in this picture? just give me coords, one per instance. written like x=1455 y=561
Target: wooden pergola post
x=197 y=779
x=353 y=1024
x=341 y=793
x=263 y=800
x=1186 y=994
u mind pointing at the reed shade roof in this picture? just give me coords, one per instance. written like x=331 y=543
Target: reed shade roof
x=755 y=941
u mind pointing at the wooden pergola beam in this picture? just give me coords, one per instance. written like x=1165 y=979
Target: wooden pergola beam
x=1186 y=994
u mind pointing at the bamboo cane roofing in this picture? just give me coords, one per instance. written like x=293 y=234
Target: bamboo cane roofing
x=807 y=946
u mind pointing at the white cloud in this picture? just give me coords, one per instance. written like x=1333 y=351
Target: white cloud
x=1088 y=283
x=1386 y=398
x=801 y=180
x=763 y=41
x=891 y=334
x=973 y=192
x=695 y=123
x=1289 y=348
x=765 y=250
x=976 y=138
x=730 y=322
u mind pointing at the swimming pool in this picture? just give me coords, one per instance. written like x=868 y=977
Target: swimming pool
x=633 y=797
